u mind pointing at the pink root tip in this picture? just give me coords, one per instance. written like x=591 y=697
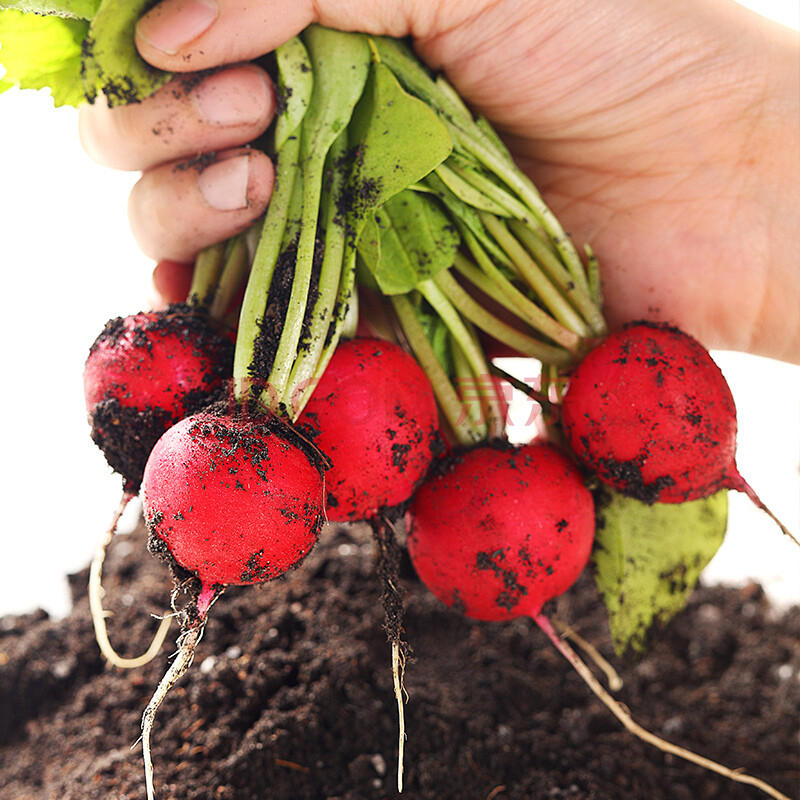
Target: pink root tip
x=206 y=597
x=738 y=483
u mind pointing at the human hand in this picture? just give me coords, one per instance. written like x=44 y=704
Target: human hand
x=664 y=134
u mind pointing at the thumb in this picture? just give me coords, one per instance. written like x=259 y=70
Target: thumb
x=190 y=35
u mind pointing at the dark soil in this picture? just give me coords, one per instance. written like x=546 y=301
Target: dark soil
x=290 y=696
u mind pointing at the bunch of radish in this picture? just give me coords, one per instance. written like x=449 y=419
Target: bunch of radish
x=432 y=241
x=144 y=373
x=147 y=371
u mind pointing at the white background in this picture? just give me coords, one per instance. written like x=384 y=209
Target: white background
x=69 y=263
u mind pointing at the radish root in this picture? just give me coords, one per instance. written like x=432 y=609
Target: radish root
x=614 y=681
x=398 y=668
x=99 y=614
x=637 y=730
x=392 y=598
x=187 y=643
x=740 y=484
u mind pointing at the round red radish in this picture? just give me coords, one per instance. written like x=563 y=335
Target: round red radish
x=233 y=500
x=651 y=413
x=144 y=373
x=374 y=415
x=501 y=531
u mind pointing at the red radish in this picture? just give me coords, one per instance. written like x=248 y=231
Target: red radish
x=144 y=373
x=373 y=413
x=499 y=533
x=651 y=413
x=228 y=500
x=232 y=500
x=172 y=280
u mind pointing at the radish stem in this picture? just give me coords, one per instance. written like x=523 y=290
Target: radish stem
x=535 y=276
x=469 y=346
x=495 y=327
x=234 y=269
x=446 y=395
x=516 y=300
x=309 y=356
x=207 y=269
x=266 y=257
x=545 y=258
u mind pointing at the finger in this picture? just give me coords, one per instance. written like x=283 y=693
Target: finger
x=217 y=195
x=190 y=114
x=171 y=282
x=180 y=35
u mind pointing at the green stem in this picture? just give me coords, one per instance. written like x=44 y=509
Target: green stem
x=495 y=327
x=468 y=386
x=479 y=394
x=581 y=299
x=308 y=358
x=523 y=305
x=535 y=277
x=304 y=265
x=467 y=192
x=234 y=270
x=207 y=268
x=255 y=298
x=513 y=177
x=296 y=402
x=466 y=341
x=507 y=297
x=506 y=201
x=349 y=326
x=449 y=402
x=593 y=273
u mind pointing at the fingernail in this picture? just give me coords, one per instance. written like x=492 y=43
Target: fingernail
x=226 y=100
x=224 y=184
x=173 y=24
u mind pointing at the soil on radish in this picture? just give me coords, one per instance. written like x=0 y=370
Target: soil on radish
x=291 y=695
x=280 y=291
x=122 y=360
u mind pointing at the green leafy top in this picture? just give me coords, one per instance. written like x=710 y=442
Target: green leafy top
x=76 y=48
x=73 y=9
x=41 y=52
x=648 y=559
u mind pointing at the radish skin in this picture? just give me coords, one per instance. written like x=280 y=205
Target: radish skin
x=144 y=372
x=373 y=413
x=483 y=539
x=231 y=501
x=228 y=499
x=502 y=530
x=652 y=415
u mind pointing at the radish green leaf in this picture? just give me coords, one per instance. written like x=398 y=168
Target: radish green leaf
x=39 y=52
x=112 y=64
x=648 y=559
x=74 y=9
x=387 y=163
x=410 y=240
